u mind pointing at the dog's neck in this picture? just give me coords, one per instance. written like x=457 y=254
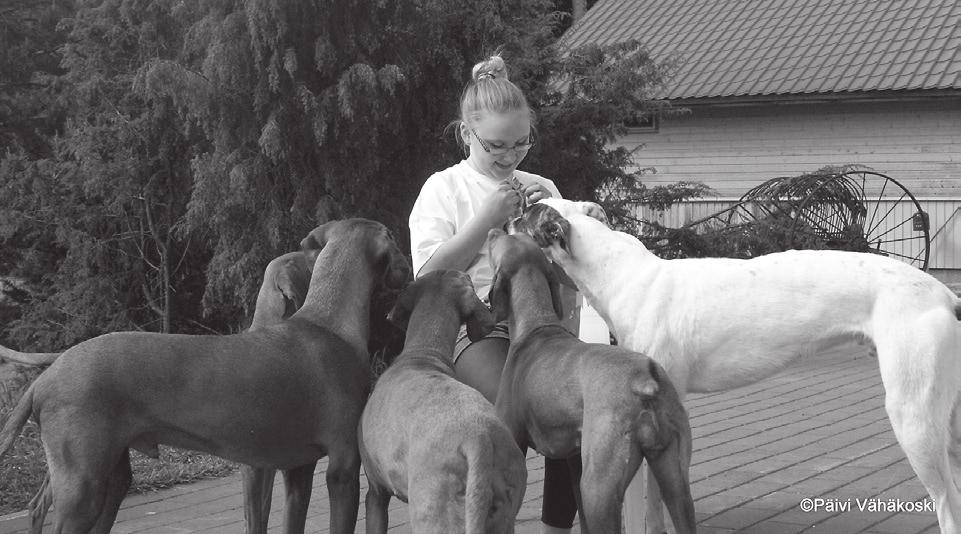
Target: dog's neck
x=597 y=260
x=340 y=290
x=432 y=331
x=531 y=304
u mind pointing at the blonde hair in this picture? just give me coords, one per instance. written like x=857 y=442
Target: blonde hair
x=491 y=91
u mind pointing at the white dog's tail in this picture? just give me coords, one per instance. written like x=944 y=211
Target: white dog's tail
x=18 y=417
x=479 y=494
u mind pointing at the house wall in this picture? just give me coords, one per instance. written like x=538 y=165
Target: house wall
x=734 y=148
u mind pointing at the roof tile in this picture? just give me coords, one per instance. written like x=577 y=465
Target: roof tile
x=771 y=47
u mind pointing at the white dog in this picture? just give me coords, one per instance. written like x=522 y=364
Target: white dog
x=717 y=323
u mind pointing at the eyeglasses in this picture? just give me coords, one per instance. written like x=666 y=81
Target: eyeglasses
x=501 y=150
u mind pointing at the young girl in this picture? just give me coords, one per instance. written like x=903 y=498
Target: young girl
x=448 y=230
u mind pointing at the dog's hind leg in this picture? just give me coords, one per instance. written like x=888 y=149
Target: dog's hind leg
x=955 y=447
x=376 y=504
x=343 y=484
x=78 y=497
x=609 y=463
x=921 y=389
x=298 y=482
x=117 y=485
x=40 y=505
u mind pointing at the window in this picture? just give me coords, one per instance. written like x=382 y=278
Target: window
x=647 y=123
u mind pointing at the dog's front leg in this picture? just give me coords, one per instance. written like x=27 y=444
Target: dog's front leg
x=258 y=491
x=298 y=482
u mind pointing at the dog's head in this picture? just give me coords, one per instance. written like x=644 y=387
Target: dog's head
x=377 y=242
x=513 y=254
x=547 y=221
x=444 y=292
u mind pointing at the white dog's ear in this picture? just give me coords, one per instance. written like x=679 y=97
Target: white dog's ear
x=594 y=210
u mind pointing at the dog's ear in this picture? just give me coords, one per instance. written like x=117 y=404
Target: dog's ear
x=293 y=283
x=555 y=286
x=480 y=322
x=595 y=211
x=315 y=241
x=398 y=271
x=399 y=315
x=500 y=297
x=556 y=232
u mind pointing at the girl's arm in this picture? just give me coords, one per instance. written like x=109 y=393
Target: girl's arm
x=459 y=251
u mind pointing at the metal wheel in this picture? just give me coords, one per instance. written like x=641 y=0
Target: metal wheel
x=886 y=220
x=895 y=225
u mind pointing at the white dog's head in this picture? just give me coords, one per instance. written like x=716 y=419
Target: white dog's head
x=566 y=208
x=548 y=221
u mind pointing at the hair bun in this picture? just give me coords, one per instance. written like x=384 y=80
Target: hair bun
x=492 y=67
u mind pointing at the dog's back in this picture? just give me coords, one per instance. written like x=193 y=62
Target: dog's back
x=427 y=437
x=589 y=380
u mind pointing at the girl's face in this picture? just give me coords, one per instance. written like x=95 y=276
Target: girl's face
x=511 y=130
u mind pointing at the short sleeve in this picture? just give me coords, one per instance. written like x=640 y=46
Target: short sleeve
x=431 y=221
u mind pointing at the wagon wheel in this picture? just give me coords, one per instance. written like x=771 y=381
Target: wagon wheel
x=888 y=219
x=895 y=224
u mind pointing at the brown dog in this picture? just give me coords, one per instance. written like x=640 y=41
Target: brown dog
x=431 y=440
x=282 y=293
x=559 y=394
x=137 y=390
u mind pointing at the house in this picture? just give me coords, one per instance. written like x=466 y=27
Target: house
x=785 y=87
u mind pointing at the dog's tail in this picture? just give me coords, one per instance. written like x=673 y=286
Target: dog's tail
x=479 y=494
x=28 y=358
x=18 y=417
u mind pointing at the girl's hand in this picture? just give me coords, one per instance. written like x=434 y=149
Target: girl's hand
x=500 y=205
x=536 y=191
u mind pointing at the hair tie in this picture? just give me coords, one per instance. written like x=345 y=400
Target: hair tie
x=493 y=68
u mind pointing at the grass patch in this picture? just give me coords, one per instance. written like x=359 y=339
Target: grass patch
x=24 y=467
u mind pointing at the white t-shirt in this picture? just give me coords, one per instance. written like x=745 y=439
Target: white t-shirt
x=447 y=201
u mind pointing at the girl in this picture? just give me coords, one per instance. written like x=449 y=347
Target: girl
x=448 y=230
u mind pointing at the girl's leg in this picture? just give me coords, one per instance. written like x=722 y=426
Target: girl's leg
x=480 y=366
x=559 y=505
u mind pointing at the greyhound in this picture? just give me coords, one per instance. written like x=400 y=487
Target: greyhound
x=430 y=439
x=137 y=390
x=559 y=394
x=679 y=312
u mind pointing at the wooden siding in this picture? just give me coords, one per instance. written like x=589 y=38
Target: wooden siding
x=732 y=149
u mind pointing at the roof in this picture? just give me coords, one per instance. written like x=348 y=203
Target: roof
x=734 y=48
